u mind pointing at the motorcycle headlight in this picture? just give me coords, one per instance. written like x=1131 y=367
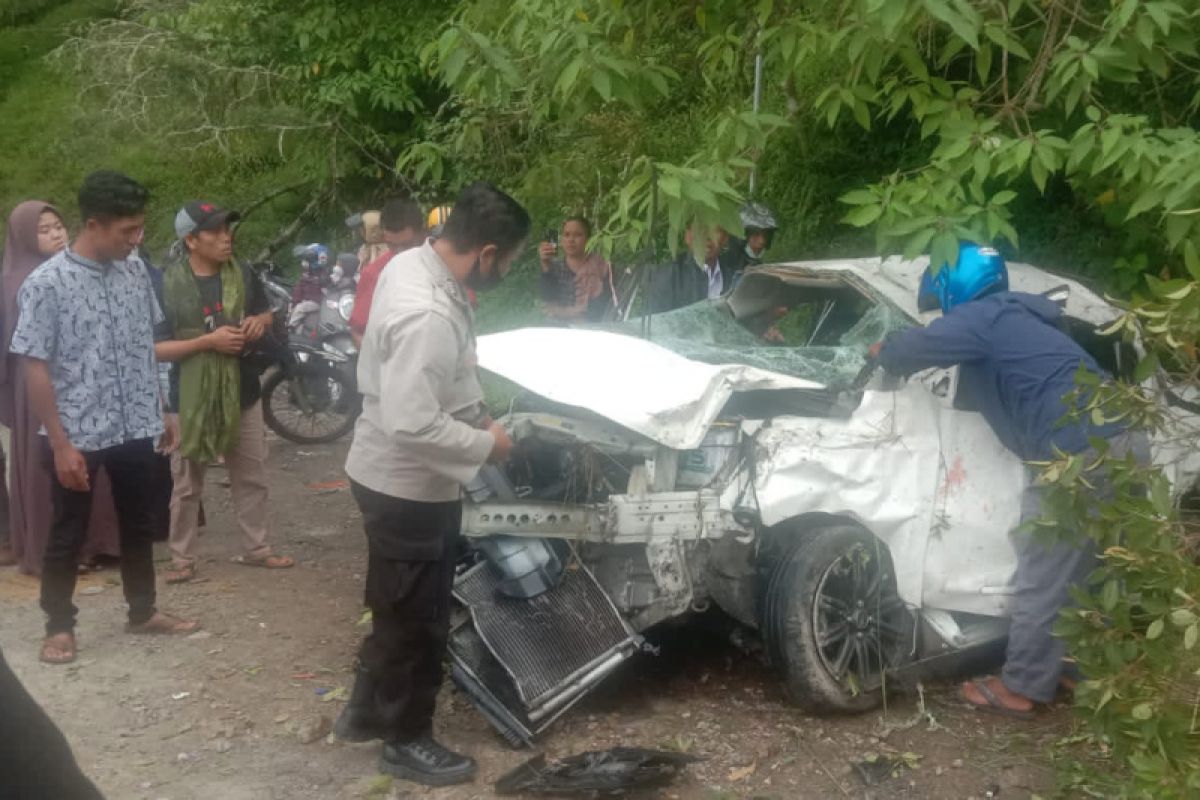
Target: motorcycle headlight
x=346 y=305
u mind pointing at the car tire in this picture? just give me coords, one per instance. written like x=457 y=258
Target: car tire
x=832 y=621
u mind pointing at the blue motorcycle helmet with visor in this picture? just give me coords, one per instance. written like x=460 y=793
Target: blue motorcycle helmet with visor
x=979 y=271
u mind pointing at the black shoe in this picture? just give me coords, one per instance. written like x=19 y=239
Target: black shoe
x=358 y=721
x=424 y=761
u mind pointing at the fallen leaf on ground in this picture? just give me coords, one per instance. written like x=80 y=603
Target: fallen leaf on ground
x=337 y=694
x=303 y=676
x=743 y=773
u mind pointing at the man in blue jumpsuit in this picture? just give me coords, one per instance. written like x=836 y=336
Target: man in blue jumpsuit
x=1016 y=367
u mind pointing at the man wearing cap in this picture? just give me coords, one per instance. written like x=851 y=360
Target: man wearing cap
x=214 y=308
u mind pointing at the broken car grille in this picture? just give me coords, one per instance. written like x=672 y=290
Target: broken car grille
x=548 y=640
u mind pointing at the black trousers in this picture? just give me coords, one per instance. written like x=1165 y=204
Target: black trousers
x=130 y=468
x=410 y=574
x=35 y=759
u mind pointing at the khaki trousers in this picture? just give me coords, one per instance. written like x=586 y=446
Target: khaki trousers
x=247 y=465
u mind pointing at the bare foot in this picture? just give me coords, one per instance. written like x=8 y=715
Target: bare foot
x=58 y=649
x=164 y=625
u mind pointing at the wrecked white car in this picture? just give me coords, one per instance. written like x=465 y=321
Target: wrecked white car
x=685 y=462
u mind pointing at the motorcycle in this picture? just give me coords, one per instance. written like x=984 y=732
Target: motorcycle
x=310 y=396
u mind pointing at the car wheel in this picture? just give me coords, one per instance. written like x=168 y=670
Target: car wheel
x=832 y=620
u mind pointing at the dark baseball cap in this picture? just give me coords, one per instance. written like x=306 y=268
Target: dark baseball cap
x=199 y=216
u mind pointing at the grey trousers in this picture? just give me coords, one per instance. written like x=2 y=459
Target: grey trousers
x=1033 y=661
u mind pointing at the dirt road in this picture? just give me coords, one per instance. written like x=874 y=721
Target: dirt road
x=240 y=710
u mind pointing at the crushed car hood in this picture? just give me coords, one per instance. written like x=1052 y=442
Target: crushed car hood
x=635 y=383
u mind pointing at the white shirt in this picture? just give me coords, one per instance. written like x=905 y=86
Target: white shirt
x=417 y=437
x=716 y=281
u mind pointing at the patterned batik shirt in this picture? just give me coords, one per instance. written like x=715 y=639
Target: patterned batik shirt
x=94 y=326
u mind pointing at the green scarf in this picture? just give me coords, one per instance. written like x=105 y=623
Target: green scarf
x=210 y=408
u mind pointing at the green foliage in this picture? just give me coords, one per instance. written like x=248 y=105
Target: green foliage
x=994 y=104
x=1135 y=630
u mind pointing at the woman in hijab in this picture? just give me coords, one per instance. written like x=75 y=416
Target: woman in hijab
x=36 y=232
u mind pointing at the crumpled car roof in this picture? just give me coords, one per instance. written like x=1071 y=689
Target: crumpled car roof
x=897 y=279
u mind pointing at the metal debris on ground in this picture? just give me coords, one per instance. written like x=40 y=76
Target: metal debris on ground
x=597 y=773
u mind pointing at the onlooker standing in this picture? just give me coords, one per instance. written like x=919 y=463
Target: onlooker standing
x=759 y=226
x=214 y=307
x=374 y=239
x=688 y=280
x=35 y=233
x=577 y=286
x=403 y=228
x=423 y=433
x=86 y=329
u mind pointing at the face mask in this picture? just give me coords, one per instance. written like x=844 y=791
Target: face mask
x=478 y=282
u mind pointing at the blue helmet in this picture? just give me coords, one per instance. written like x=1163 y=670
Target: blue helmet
x=980 y=271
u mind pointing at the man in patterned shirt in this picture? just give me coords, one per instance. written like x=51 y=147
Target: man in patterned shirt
x=86 y=332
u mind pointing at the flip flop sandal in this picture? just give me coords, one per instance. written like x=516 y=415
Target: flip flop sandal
x=70 y=652
x=994 y=706
x=180 y=575
x=280 y=562
x=171 y=626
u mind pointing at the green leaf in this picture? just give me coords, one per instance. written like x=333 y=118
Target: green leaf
x=1155 y=630
x=1191 y=259
x=1190 y=636
x=567 y=78
x=965 y=30
x=453 y=65
x=858 y=197
x=1003 y=198
x=983 y=62
x=863 y=215
x=1146 y=368
x=1142 y=712
x=602 y=83
x=1001 y=36
x=1110 y=594
x=1182 y=617
x=945 y=248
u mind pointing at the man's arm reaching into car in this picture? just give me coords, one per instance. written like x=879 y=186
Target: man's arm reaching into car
x=945 y=342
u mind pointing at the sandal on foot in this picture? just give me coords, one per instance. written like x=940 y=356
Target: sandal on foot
x=994 y=704
x=163 y=625
x=182 y=574
x=65 y=654
x=266 y=562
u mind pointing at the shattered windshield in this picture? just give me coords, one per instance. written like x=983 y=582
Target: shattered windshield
x=820 y=336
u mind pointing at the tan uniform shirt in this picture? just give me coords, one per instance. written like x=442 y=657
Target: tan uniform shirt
x=416 y=438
